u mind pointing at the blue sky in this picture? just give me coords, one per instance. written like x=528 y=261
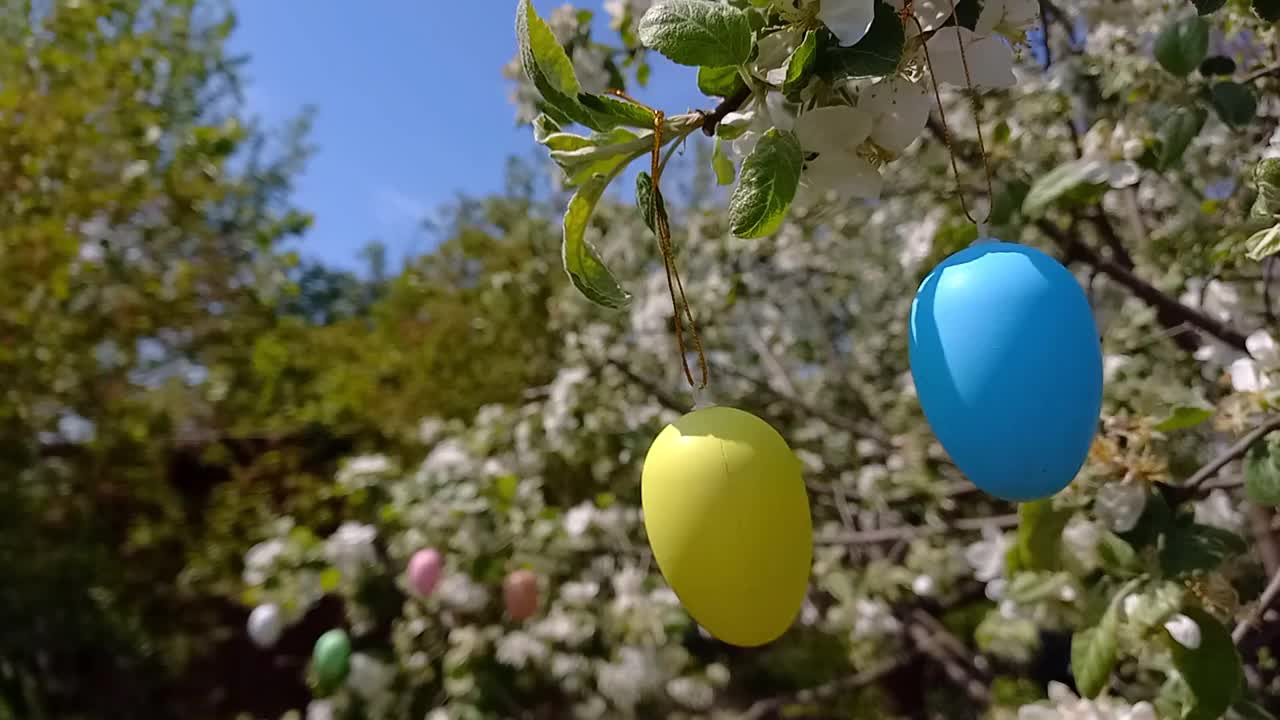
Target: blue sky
x=411 y=107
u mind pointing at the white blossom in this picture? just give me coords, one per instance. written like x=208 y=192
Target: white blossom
x=1184 y=631
x=848 y=20
x=1119 y=505
x=836 y=134
x=989 y=59
x=1219 y=510
x=350 y=549
x=986 y=556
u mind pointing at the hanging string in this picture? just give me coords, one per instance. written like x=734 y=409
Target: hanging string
x=908 y=13
x=682 y=313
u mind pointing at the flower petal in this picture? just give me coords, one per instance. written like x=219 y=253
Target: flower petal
x=848 y=20
x=930 y=13
x=1247 y=377
x=845 y=173
x=834 y=129
x=901 y=111
x=1008 y=17
x=989 y=59
x=1262 y=347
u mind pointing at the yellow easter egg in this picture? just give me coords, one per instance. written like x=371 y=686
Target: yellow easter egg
x=727 y=516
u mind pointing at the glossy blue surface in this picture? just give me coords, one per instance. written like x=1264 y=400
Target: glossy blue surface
x=1007 y=364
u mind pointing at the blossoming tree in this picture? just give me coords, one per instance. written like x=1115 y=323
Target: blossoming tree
x=1134 y=140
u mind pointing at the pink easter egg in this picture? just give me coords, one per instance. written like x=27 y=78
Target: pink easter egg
x=424 y=571
x=520 y=592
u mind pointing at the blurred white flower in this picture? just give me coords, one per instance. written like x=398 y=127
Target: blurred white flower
x=518 y=648
x=691 y=692
x=1253 y=373
x=350 y=548
x=873 y=618
x=923 y=585
x=579 y=594
x=1218 y=510
x=321 y=710
x=578 y=519
x=1184 y=631
x=1119 y=505
x=368 y=677
x=632 y=676
x=1064 y=705
x=986 y=556
x=1081 y=539
x=459 y=591
x=364 y=470
x=259 y=562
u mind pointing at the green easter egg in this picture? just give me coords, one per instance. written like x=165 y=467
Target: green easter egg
x=332 y=658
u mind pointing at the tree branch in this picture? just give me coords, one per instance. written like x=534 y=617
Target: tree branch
x=1171 y=311
x=712 y=119
x=1264 y=603
x=1193 y=484
x=912 y=532
x=828 y=690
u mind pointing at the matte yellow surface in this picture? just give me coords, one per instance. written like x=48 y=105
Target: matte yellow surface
x=728 y=519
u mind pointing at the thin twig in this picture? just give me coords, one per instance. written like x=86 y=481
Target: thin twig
x=1264 y=603
x=829 y=690
x=1193 y=483
x=912 y=532
x=1171 y=311
x=938 y=643
x=712 y=119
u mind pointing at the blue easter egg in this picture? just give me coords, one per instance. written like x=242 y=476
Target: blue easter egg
x=1007 y=364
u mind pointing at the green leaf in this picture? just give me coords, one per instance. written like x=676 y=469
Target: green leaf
x=548 y=67
x=543 y=127
x=1008 y=202
x=722 y=165
x=1263 y=243
x=1040 y=529
x=1118 y=557
x=1191 y=547
x=1262 y=475
x=601 y=154
x=801 y=63
x=697 y=32
x=767 y=185
x=1026 y=588
x=1217 y=65
x=644 y=200
x=1266 y=175
x=618 y=111
x=1076 y=180
x=329 y=579
x=1236 y=104
x=1177 y=132
x=1213 y=671
x=720 y=81
x=1093 y=651
x=1184 y=418
x=1182 y=44
x=586 y=270
x=1206 y=7
x=877 y=53
x=1268 y=10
